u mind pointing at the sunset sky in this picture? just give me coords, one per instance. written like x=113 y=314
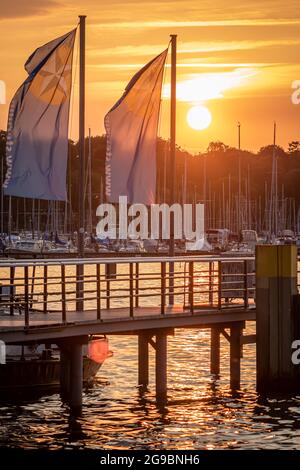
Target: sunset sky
x=236 y=58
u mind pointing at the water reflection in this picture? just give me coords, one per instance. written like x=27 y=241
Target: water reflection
x=201 y=412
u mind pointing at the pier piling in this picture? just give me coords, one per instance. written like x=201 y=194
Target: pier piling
x=71 y=372
x=276 y=286
x=64 y=373
x=143 y=357
x=161 y=365
x=215 y=351
x=76 y=377
x=235 y=356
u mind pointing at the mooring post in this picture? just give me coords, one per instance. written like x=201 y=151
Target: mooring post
x=276 y=284
x=235 y=356
x=215 y=351
x=161 y=365
x=143 y=356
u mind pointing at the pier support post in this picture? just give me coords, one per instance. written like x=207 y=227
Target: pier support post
x=76 y=377
x=276 y=284
x=79 y=287
x=64 y=373
x=215 y=351
x=143 y=357
x=161 y=365
x=71 y=372
x=235 y=356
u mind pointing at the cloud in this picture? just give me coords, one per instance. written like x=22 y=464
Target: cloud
x=195 y=24
x=143 y=50
x=19 y=8
x=183 y=65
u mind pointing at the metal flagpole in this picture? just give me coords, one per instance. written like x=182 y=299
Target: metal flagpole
x=172 y=136
x=172 y=162
x=80 y=268
x=81 y=136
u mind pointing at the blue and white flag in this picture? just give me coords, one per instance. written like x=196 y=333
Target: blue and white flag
x=37 y=130
x=131 y=128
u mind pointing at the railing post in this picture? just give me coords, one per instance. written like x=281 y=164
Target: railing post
x=191 y=286
x=26 y=296
x=137 y=272
x=171 y=282
x=107 y=286
x=11 y=290
x=163 y=288
x=45 y=292
x=98 y=291
x=131 y=291
x=79 y=287
x=219 y=285
x=245 y=284
x=63 y=293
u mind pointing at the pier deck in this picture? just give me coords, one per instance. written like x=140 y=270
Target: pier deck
x=42 y=299
x=116 y=321
x=65 y=301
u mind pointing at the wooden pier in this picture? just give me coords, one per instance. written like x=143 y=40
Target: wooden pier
x=66 y=301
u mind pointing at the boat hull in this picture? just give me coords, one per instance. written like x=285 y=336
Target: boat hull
x=39 y=375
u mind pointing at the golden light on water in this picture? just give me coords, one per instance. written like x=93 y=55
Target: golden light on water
x=199 y=118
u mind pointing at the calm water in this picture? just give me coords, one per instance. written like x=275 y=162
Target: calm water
x=201 y=412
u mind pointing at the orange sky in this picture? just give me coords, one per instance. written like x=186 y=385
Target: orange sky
x=238 y=58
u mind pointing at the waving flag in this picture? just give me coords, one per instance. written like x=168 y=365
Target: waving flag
x=131 y=127
x=37 y=130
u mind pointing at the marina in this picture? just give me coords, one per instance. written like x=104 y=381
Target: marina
x=149 y=271
x=144 y=298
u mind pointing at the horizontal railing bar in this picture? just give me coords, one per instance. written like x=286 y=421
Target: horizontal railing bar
x=129 y=260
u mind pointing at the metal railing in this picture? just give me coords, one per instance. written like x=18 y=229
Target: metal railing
x=103 y=286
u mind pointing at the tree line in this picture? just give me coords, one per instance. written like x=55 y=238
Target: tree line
x=211 y=177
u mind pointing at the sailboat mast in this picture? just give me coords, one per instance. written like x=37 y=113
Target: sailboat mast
x=9 y=217
x=172 y=138
x=239 y=178
x=2 y=197
x=90 y=182
x=276 y=182
x=82 y=20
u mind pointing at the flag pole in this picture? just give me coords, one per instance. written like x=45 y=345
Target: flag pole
x=172 y=162
x=82 y=20
x=79 y=267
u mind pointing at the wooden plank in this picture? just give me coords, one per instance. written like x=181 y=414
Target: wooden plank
x=248 y=339
x=122 y=325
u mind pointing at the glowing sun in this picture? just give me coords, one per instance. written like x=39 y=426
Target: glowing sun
x=199 y=117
